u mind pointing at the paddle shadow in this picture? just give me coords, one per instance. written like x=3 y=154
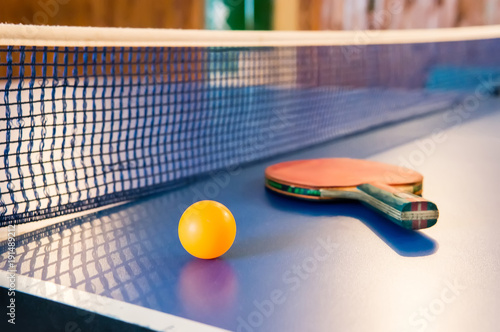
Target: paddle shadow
x=404 y=242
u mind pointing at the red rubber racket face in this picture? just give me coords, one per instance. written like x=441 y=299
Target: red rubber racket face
x=339 y=173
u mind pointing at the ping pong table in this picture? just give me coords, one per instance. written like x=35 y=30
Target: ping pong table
x=295 y=265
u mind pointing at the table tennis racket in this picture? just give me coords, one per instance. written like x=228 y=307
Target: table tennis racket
x=391 y=190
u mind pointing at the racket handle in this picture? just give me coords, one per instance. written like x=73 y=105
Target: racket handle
x=403 y=208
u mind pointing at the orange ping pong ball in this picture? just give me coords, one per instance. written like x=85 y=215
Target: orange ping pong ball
x=207 y=229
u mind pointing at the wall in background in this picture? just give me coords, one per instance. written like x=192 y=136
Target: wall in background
x=407 y=14
x=283 y=14
x=177 y=14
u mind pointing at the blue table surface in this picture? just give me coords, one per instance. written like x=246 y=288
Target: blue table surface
x=301 y=266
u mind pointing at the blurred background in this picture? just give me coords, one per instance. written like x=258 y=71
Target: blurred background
x=254 y=14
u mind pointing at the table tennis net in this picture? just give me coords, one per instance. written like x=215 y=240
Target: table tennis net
x=83 y=127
